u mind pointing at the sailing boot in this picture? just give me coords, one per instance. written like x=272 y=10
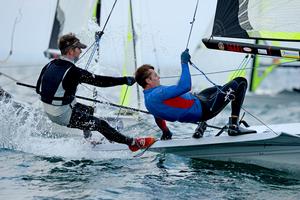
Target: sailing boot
x=141 y=143
x=200 y=130
x=234 y=129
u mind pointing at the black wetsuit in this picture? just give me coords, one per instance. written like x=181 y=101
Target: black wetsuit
x=214 y=101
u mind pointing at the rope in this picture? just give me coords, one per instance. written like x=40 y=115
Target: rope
x=259 y=120
x=99 y=34
x=227 y=71
x=192 y=25
x=9 y=77
x=17 y=20
x=96 y=47
x=207 y=77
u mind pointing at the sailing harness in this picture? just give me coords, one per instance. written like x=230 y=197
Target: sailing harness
x=54 y=93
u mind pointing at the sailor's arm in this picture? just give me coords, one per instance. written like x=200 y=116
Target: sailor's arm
x=103 y=81
x=184 y=84
x=161 y=123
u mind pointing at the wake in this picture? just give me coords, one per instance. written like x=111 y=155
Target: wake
x=26 y=129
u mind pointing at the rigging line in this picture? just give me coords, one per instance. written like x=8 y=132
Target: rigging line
x=9 y=77
x=259 y=120
x=100 y=33
x=218 y=72
x=192 y=25
x=15 y=80
x=109 y=15
x=19 y=66
x=207 y=77
x=241 y=66
x=17 y=20
x=96 y=43
x=86 y=51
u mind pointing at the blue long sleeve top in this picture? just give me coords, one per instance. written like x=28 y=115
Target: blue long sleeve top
x=174 y=103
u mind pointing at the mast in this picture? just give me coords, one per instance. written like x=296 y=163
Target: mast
x=134 y=52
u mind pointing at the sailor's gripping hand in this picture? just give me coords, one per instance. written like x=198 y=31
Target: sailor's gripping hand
x=130 y=80
x=185 y=57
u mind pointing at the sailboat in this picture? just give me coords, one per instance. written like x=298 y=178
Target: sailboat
x=274 y=146
x=70 y=19
x=269 y=28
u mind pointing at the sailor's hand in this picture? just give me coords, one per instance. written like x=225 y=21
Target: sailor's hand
x=185 y=57
x=167 y=135
x=130 y=80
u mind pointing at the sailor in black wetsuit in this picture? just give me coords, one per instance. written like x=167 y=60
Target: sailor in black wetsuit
x=57 y=85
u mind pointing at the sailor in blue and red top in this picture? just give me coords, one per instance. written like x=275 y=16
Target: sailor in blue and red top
x=177 y=103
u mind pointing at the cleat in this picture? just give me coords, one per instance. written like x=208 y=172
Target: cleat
x=142 y=143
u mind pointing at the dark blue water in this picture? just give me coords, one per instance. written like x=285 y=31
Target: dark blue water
x=26 y=176
x=37 y=162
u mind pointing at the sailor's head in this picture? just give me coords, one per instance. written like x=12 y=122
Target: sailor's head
x=146 y=77
x=70 y=45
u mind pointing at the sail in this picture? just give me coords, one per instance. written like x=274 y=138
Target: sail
x=69 y=17
x=129 y=57
x=256 y=19
x=264 y=68
x=267 y=19
x=97 y=11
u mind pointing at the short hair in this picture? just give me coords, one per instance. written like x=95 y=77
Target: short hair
x=68 y=41
x=142 y=73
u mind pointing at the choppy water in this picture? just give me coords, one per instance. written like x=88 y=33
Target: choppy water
x=39 y=162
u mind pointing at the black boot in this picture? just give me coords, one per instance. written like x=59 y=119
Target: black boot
x=234 y=129
x=200 y=130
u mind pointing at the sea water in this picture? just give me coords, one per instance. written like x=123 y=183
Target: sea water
x=40 y=162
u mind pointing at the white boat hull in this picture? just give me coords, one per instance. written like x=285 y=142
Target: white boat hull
x=276 y=150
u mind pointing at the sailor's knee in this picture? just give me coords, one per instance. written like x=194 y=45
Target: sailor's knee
x=241 y=80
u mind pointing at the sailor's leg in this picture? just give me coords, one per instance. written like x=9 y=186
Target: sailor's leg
x=212 y=101
x=109 y=132
x=208 y=92
x=85 y=121
x=239 y=85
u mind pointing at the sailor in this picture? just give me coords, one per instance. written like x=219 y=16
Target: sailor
x=57 y=85
x=177 y=103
